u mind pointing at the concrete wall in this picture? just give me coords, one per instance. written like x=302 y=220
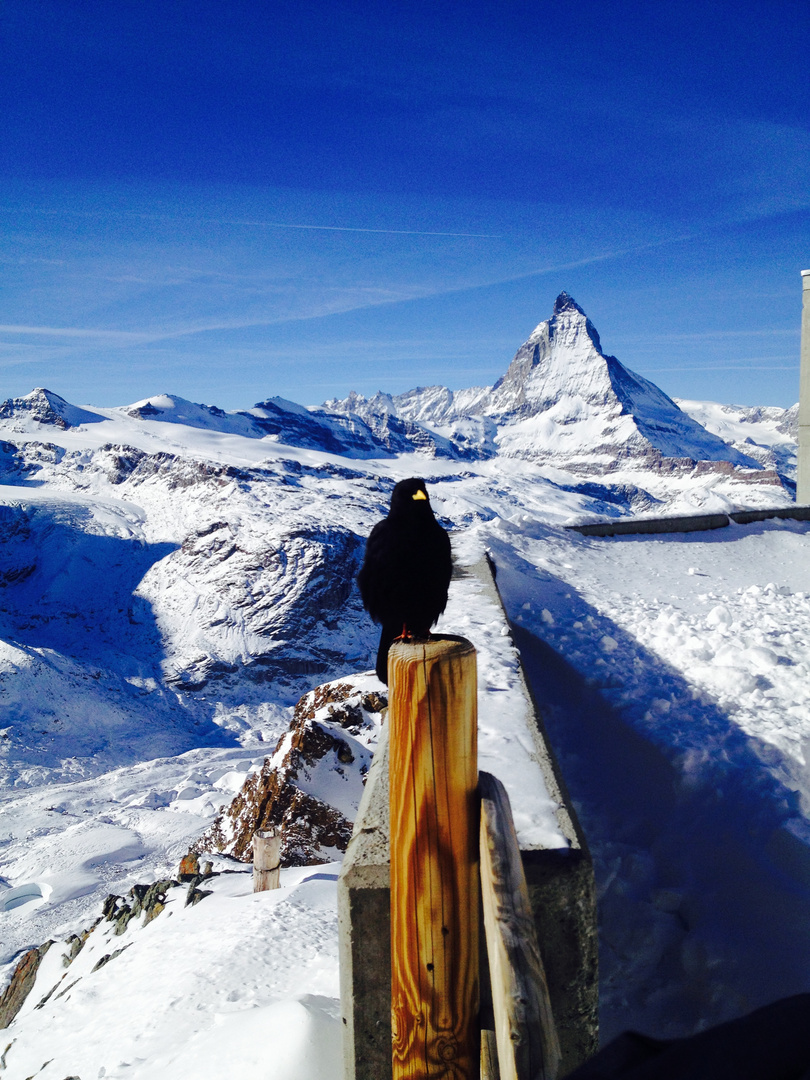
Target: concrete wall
x=561 y=889
x=364 y=925
x=803 y=478
x=692 y=523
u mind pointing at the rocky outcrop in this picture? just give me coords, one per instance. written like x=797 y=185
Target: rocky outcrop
x=142 y=902
x=263 y=606
x=310 y=788
x=43 y=408
x=21 y=983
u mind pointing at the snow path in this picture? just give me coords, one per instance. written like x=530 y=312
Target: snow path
x=674 y=673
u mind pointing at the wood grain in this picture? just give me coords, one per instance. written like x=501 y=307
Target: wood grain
x=434 y=860
x=489 y=1056
x=266 y=858
x=528 y=1047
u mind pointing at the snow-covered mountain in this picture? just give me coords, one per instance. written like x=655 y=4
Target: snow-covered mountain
x=562 y=401
x=181 y=564
x=768 y=435
x=174 y=577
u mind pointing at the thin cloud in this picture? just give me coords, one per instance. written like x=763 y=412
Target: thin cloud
x=357 y=299
x=74 y=331
x=344 y=228
x=253 y=224
x=416 y=293
x=665 y=339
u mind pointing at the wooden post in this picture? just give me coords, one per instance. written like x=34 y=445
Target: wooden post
x=489 y=1056
x=528 y=1048
x=434 y=859
x=266 y=859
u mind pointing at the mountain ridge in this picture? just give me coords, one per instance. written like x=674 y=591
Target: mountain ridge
x=562 y=401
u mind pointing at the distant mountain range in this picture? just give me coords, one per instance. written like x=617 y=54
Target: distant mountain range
x=561 y=402
x=167 y=568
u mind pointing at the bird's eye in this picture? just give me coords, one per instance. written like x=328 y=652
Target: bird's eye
x=419 y=495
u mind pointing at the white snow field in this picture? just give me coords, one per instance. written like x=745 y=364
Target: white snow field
x=174 y=578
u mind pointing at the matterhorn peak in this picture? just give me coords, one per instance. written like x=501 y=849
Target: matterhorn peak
x=562 y=397
x=564 y=302
x=561 y=400
x=561 y=357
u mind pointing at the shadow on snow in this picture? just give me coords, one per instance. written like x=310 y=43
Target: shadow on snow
x=703 y=893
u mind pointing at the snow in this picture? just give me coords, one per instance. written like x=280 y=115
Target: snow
x=170 y=585
x=505 y=741
x=735 y=624
x=766 y=434
x=197 y=987
x=674 y=674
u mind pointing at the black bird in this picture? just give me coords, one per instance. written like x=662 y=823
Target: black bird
x=406 y=570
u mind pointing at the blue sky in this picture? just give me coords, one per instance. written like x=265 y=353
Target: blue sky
x=233 y=200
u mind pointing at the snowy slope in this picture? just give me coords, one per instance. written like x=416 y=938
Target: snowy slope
x=768 y=435
x=674 y=673
x=173 y=578
x=197 y=987
x=563 y=401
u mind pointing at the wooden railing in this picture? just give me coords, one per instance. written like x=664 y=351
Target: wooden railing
x=453 y=845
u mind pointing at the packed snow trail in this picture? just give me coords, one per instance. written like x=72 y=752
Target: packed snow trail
x=703 y=896
x=689 y=777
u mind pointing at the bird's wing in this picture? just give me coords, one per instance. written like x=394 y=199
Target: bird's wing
x=374 y=575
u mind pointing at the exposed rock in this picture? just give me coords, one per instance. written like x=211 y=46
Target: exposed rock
x=76 y=943
x=17 y=559
x=189 y=867
x=327 y=750
x=21 y=983
x=109 y=956
x=146 y=900
x=196 y=894
x=43 y=407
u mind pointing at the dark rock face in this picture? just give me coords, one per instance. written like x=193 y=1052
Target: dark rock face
x=21 y=982
x=318 y=429
x=44 y=407
x=17 y=556
x=38 y=406
x=146 y=900
x=564 y=302
x=335 y=743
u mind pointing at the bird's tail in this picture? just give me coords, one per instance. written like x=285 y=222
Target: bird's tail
x=389 y=633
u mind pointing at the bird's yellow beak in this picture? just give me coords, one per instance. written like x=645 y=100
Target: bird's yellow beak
x=419 y=495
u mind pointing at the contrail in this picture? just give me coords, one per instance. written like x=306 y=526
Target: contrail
x=348 y=228
x=251 y=224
